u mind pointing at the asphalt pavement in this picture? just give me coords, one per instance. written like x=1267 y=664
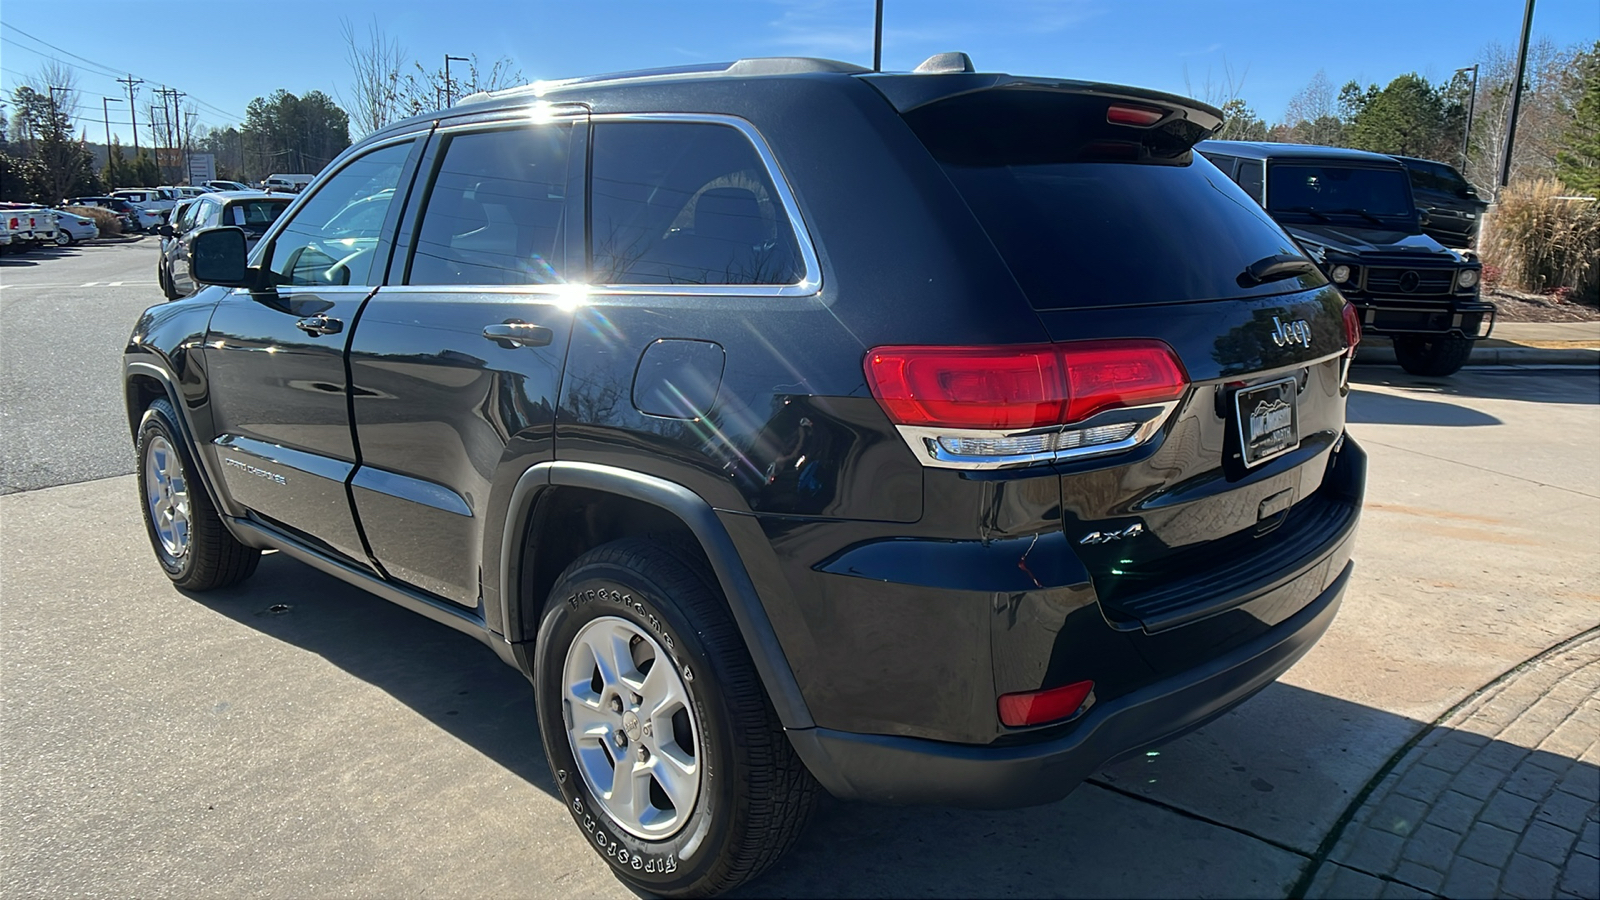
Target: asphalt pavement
x=294 y=737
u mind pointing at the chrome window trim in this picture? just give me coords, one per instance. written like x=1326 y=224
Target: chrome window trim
x=810 y=282
x=925 y=445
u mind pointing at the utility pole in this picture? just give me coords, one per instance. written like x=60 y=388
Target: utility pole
x=449 y=93
x=133 y=116
x=1516 y=96
x=877 y=40
x=105 y=110
x=1472 y=104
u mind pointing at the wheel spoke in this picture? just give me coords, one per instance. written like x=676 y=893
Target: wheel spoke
x=677 y=774
x=630 y=789
x=589 y=722
x=663 y=692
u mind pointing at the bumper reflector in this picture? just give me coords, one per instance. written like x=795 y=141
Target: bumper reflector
x=1038 y=707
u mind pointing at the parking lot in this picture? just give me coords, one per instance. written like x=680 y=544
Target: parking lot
x=296 y=737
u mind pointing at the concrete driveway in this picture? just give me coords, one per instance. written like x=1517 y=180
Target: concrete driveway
x=294 y=737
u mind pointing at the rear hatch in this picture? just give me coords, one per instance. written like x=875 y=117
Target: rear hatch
x=1115 y=229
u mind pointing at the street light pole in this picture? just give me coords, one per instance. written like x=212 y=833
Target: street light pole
x=449 y=93
x=877 y=39
x=1472 y=104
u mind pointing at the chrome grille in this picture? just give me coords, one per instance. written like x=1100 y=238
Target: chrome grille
x=1421 y=282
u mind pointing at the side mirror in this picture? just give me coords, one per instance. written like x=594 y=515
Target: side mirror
x=165 y=231
x=217 y=256
x=1422 y=217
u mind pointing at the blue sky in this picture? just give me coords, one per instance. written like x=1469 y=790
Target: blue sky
x=1271 y=46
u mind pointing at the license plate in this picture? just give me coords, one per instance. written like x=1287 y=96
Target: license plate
x=1269 y=423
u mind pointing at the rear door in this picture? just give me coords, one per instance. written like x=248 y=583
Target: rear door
x=459 y=356
x=275 y=357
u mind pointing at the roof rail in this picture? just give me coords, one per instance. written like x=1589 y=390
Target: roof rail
x=761 y=65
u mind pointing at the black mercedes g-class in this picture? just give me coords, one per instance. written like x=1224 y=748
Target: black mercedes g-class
x=933 y=437
x=1353 y=212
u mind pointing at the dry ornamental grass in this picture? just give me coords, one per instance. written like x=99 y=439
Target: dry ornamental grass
x=105 y=219
x=1543 y=241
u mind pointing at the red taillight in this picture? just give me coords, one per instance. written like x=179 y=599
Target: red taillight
x=1037 y=707
x=1134 y=115
x=1021 y=386
x=1352 y=329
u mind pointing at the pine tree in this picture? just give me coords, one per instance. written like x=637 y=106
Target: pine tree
x=1578 y=161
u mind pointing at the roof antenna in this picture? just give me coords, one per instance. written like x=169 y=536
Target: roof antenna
x=877 y=40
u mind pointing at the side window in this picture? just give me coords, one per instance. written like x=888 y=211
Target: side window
x=1252 y=179
x=497 y=210
x=686 y=203
x=1224 y=163
x=333 y=237
x=210 y=214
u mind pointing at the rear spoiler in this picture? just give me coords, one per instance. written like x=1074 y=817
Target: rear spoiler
x=1162 y=126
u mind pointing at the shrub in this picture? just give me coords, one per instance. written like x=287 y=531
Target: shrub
x=1542 y=241
x=109 y=224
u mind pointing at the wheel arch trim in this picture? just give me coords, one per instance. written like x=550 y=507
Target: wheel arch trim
x=743 y=601
x=133 y=368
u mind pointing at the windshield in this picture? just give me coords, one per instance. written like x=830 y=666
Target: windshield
x=1330 y=189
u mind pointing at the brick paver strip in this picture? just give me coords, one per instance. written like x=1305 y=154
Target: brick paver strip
x=1499 y=799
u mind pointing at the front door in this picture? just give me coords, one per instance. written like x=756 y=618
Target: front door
x=455 y=364
x=275 y=357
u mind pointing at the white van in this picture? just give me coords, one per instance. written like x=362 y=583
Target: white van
x=287 y=184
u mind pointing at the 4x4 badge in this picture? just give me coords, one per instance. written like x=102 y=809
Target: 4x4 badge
x=1106 y=537
x=1296 y=332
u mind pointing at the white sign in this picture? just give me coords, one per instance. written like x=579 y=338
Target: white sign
x=202 y=168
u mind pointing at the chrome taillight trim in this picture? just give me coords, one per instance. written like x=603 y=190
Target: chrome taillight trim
x=925 y=444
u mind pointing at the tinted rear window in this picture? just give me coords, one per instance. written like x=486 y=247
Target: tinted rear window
x=1087 y=214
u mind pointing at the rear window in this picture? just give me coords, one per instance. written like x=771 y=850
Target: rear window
x=255 y=214
x=1089 y=214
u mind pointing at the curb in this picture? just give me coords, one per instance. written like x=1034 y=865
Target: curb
x=1496 y=356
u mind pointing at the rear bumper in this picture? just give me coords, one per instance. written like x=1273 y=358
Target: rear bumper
x=901 y=770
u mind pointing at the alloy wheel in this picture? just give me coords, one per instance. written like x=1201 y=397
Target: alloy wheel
x=167 y=496
x=632 y=727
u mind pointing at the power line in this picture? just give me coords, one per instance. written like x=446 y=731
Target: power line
x=217 y=109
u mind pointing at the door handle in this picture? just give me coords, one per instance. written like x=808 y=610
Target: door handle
x=319 y=324
x=519 y=334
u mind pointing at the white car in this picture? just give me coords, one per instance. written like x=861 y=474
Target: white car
x=221 y=185
x=159 y=200
x=71 y=227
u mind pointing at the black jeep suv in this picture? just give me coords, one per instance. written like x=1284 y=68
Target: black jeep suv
x=1353 y=212
x=929 y=438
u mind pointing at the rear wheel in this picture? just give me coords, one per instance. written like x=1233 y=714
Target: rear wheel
x=193 y=546
x=63 y=237
x=664 y=746
x=1435 y=355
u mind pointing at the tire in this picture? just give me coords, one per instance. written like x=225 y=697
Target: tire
x=749 y=795
x=1438 y=355
x=63 y=237
x=193 y=546
x=165 y=281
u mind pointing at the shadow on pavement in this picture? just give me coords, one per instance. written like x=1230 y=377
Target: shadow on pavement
x=1571 y=385
x=14 y=259
x=1239 y=806
x=1374 y=408
x=450 y=679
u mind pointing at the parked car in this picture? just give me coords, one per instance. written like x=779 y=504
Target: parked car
x=1453 y=210
x=135 y=218
x=73 y=227
x=251 y=211
x=30 y=226
x=159 y=200
x=287 y=184
x=220 y=185
x=5 y=235
x=185 y=192
x=1354 y=214
x=928 y=438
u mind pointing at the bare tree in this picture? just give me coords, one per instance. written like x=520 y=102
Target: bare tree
x=375 y=89
x=1542 y=121
x=1312 y=115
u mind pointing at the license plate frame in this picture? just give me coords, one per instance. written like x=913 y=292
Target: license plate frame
x=1267 y=417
